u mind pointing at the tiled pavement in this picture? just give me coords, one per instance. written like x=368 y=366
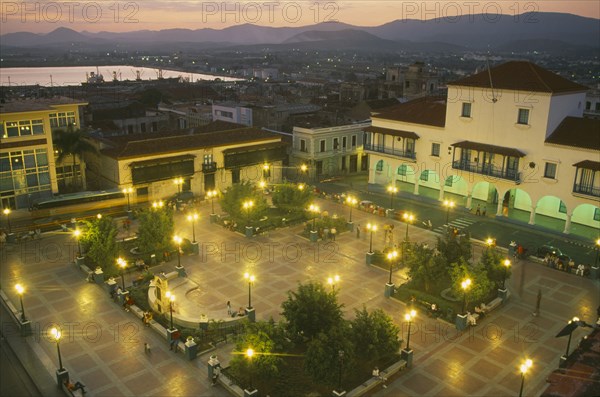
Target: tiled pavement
x=103 y=345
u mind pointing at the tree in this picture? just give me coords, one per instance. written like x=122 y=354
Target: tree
x=374 y=334
x=453 y=247
x=264 y=364
x=322 y=359
x=311 y=310
x=480 y=283
x=74 y=143
x=155 y=230
x=232 y=203
x=493 y=262
x=425 y=268
x=290 y=198
x=100 y=240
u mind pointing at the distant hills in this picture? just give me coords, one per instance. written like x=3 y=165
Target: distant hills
x=526 y=32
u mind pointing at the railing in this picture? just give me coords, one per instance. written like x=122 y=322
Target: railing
x=586 y=189
x=393 y=152
x=209 y=167
x=487 y=169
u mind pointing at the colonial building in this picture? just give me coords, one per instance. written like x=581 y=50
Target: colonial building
x=511 y=140
x=333 y=150
x=210 y=158
x=28 y=170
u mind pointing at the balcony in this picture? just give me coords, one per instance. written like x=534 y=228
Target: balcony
x=586 y=189
x=487 y=169
x=208 y=168
x=394 y=152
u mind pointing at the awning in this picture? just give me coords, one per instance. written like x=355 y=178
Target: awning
x=389 y=131
x=162 y=160
x=483 y=147
x=588 y=165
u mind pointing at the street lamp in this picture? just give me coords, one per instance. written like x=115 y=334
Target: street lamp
x=250 y=278
x=211 y=194
x=301 y=186
x=56 y=334
x=315 y=210
x=178 y=182
x=391 y=256
x=99 y=216
x=448 y=204
x=178 y=241
x=171 y=299
x=128 y=191
x=506 y=264
x=351 y=202
x=265 y=170
x=7 y=212
x=371 y=228
x=193 y=218
x=20 y=291
x=490 y=242
x=158 y=204
x=465 y=285
x=250 y=354
x=304 y=170
x=332 y=281
x=597 y=251
x=247 y=205
x=341 y=361
x=524 y=368
x=392 y=190
x=122 y=264
x=262 y=184
x=77 y=234
x=574 y=320
x=408 y=218
x=408 y=317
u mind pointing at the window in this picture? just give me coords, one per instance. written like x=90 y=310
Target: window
x=154 y=127
x=235 y=176
x=466 y=110
x=343 y=163
x=62 y=119
x=322 y=146
x=449 y=181
x=303 y=145
x=402 y=170
x=424 y=176
x=597 y=107
x=22 y=128
x=406 y=84
x=562 y=208
x=336 y=143
x=208 y=158
x=435 y=149
x=597 y=214
x=588 y=105
x=523 y=117
x=550 y=171
x=143 y=127
x=379 y=166
x=344 y=142
x=353 y=140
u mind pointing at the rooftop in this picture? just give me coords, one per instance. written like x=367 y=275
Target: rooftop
x=577 y=132
x=520 y=76
x=427 y=110
x=37 y=104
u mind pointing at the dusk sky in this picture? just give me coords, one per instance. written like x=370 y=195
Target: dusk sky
x=119 y=16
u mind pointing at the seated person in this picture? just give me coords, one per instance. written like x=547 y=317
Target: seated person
x=241 y=312
x=73 y=387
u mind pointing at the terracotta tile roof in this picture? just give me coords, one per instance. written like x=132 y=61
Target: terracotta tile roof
x=154 y=144
x=577 y=132
x=520 y=76
x=428 y=110
x=485 y=147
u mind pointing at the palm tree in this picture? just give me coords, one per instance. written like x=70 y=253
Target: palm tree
x=72 y=143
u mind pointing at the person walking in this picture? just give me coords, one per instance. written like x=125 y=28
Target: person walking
x=537 y=304
x=478 y=210
x=146 y=347
x=228 y=308
x=358 y=231
x=333 y=233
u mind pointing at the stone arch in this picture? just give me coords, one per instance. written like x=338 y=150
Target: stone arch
x=551 y=212
x=517 y=204
x=428 y=184
x=585 y=220
x=484 y=194
x=454 y=188
x=381 y=171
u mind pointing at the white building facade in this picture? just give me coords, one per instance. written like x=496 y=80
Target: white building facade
x=512 y=140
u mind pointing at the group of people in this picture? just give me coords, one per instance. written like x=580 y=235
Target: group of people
x=147 y=318
x=241 y=312
x=478 y=210
x=557 y=263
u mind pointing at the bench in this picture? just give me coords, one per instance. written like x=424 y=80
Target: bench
x=72 y=393
x=493 y=304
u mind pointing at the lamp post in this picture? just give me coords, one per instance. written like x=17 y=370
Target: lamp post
x=391 y=256
x=408 y=317
x=465 y=285
x=332 y=281
x=262 y=185
x=250 y=354
x=392 y=190
x=192 y=218
x=122 y=264
x=128 y=191
x=266 y=171
x=408 y=218
x=371 y=228
x=211 y=194
x=575 y=319
x=158 y=204
x=448 y=204
x=351 y=202
x=56 y=334
x=250 y=278
x=524 y=368
x=506 y=265
x=7 y=212
x=247 y=205
x=490 y=242
x=171 y=299
x=178 y=182
x=315 y=210
x=301 y=186
x=177 y=239
x=98 y=216
x=20 y=291
x=77 y=234
x=597 y=252
x=341 y=362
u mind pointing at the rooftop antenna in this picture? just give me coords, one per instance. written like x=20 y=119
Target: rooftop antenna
x=487 y=62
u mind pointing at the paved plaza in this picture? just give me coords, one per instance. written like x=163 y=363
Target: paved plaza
x=103 y=344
